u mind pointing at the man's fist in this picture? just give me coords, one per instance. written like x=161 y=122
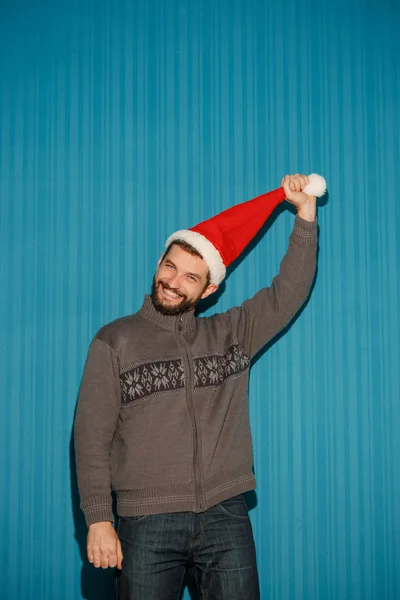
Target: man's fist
x=103 y=546
x=305 y=204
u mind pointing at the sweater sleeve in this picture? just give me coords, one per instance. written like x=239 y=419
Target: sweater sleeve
x=94 y=428
x=260 y=318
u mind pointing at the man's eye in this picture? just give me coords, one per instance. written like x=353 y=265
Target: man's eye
x=191 y=278
x=169 y=266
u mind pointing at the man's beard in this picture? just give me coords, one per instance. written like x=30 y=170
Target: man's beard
x=177 y=309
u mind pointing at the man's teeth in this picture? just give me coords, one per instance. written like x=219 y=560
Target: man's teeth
x=171 y=294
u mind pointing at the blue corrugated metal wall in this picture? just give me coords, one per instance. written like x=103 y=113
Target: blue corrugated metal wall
x=123 y=121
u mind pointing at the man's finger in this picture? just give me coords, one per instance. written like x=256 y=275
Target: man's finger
x=287 y=190
x=303 y=181
x=120 y=556
x=296 y=183
x=112 y=557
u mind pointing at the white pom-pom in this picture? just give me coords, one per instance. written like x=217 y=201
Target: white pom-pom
x=316 y=185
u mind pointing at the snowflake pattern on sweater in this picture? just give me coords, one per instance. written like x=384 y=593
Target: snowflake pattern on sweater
x=161 y=376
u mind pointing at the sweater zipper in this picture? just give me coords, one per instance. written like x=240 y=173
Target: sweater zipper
x=189 y=399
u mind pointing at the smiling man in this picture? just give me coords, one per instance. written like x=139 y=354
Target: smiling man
x=162 y=417
x=181 y=281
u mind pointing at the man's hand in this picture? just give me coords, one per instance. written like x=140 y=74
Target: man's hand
x=103 y=546
x=306 y=205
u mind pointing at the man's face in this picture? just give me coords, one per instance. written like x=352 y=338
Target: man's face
x=180 y=282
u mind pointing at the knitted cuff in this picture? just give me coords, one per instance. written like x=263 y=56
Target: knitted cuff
x=304 y=232
x=97 y=508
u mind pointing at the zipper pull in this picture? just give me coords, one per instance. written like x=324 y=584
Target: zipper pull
x=180 y=323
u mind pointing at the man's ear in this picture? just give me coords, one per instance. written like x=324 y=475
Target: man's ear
x=210 y=289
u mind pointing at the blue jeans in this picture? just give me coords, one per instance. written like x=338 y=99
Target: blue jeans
x=215 y=546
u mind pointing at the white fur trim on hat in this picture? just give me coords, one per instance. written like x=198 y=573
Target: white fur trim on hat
x=208 y=251
x=316 y=185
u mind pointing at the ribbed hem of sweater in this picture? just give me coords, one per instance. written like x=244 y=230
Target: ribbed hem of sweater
x=181 y=498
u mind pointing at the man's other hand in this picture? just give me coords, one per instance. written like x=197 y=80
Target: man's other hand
x=306 y=205
x=103 y=546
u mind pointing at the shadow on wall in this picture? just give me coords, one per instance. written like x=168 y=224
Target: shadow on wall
x=96 y=584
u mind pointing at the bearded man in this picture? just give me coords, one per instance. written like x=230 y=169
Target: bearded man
x=162 y=418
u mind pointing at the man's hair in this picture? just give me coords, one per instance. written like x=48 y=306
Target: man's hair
x=190 y=250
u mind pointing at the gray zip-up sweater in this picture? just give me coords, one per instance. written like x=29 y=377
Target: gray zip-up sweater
x=162 y=416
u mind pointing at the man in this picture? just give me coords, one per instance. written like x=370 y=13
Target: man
x=162 y=417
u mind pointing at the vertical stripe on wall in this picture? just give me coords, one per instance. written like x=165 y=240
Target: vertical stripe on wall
x=121 y=122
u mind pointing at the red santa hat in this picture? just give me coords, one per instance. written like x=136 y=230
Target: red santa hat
x=221 y=239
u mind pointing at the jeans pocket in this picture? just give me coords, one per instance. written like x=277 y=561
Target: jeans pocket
x=126 y=525
x=133 y=519
x=235 y=507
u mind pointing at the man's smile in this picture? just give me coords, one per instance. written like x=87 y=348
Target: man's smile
x=168 y=293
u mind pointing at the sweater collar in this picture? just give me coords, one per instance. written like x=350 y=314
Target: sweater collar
x=187 y=320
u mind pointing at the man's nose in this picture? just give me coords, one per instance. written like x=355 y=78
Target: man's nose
x=175 y=281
